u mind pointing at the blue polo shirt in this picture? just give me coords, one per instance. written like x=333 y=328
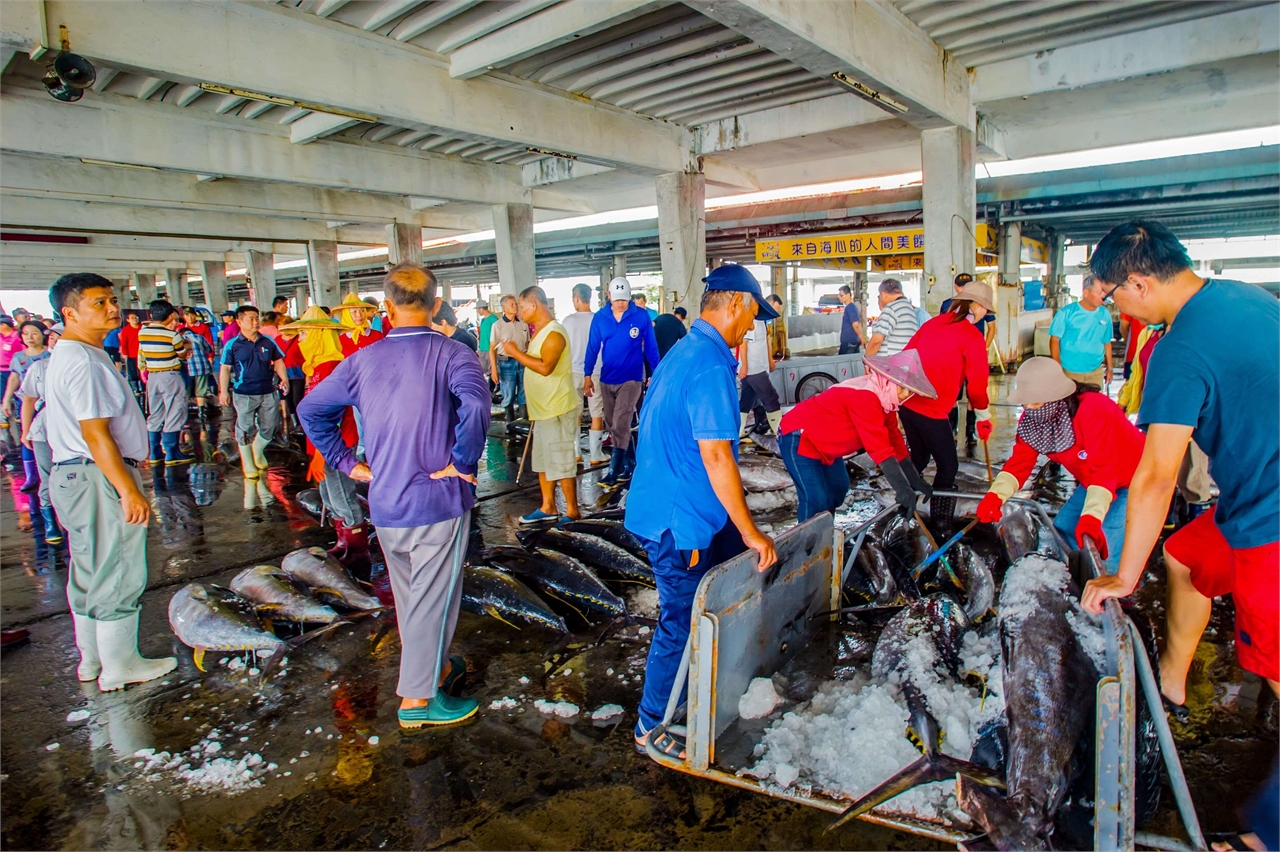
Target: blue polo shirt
x=693 y=397
x=623 y=345
x=1226 y=387
x=1083 y=336
x=250 y=362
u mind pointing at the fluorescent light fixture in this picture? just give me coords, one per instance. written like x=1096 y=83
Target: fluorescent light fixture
x=89 y=161
x=289 y=102
x=548 y=153
x=866 y=92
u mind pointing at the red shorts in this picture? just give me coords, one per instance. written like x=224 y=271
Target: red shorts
x=1251 y=575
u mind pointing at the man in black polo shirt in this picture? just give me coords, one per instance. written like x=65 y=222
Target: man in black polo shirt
x=253 y=368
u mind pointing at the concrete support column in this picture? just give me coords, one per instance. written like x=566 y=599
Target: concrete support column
x=858 y=289
x=300 y=297
x=619 y=266
x=120 y=286
x=175 y=286
x=1009 y=292
x=322 y=260
x=793 y=297
x=404 y=243
x=145 y=284
x=214 y=273
x=778 y=281
x=513 y=240
x=262 y=277
x=1055 y=282
x=446 y=291
x=950 y=196
x=682 y=239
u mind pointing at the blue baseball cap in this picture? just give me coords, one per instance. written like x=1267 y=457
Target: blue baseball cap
x=737 y=279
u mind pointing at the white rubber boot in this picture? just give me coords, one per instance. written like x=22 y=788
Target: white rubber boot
x=595 y=438
x=260 y=453
x=87 y=641
x=121 y=662
x=747 y=421
x=247 y=463
x=775 y=422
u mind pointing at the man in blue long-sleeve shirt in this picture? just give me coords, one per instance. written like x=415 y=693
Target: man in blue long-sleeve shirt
x=622 y=338
x=425 y=407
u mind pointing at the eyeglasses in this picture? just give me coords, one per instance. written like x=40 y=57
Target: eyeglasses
x=1106 y=297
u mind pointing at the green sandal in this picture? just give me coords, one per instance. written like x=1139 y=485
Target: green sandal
x=441 y=710
x=457 y=674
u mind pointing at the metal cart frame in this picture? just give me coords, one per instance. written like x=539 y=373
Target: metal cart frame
x=739 y=632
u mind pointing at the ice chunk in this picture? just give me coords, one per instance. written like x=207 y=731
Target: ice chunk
x=53 y=746
x=236 y=664
x=503 y=703
x=77 y=715
x=759 y=699
x=608 y=711
x=563 y=709
x=373 y=740
x=524 y=681
x=785 y=774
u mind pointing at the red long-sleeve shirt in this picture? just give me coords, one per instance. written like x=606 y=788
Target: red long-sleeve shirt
x=1106 y=452
x=841 y=421
x=129 y=341
x=367 y=338
x=954 y=354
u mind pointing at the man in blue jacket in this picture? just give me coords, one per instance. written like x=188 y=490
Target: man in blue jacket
x=622 y=337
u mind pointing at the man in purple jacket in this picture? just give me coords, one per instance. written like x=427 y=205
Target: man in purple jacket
x=425 y=407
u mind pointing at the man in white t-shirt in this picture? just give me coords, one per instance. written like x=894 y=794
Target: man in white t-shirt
x=754 y=367
x=98 y=439
x=578 y=324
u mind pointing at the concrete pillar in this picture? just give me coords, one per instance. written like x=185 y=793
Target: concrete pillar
x=145 y=284
x=682 y=239
x=262 y=277
x=1055 y=282
x=120 y=286
x=446 y=291
x=793 y=297
x=513 y=229
x=1009 y=292
x=175 y=286
x=404 y=244
x=778 y=281
x=300 y=299
x=214 y=273
x=950 y=197
x=858 y=289
x=322 y=261
x=619 y=265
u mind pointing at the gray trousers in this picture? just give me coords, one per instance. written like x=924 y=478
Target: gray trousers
x=108 y=557
x=757 y=387
x=425 y=566
x=620 y=404
x=166 y=402
x=338 y=491
x=256 y=414
x=44 y=461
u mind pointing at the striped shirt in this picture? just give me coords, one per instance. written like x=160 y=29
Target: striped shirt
x=896 y=323
x=159 y=348
x=201 y=361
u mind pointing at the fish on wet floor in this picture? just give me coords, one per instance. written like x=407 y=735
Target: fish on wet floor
x=560 y=578
x=610 y=562
x=611 y=530
x=488 y=591
x=208 y=617
x=309 y=500
x=762 y=473
x=326 y=579
x=1049 y=687
x=275 y=596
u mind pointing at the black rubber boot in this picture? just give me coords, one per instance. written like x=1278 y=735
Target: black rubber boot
x=617 y=459
x=942 y=511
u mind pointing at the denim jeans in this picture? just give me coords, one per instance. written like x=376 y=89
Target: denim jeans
x=511 y=382
x=820 y=487
x=1112 y=524
x=677 y=585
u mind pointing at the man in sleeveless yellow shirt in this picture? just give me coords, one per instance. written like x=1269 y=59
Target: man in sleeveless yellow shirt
x=554 y=407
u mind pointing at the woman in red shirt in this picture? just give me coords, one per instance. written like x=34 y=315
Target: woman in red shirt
x=954 y=354
x=1089 y=435
x=856 y=415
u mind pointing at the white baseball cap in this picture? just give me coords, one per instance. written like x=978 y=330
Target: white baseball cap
x=619 y=288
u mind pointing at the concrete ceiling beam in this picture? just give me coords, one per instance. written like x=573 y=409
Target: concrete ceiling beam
x=160 y=136
x=69 y=180
x=720 y=173
x=868 y=40
x=821 y=115
x=86 y=255
x=273 y=49
x=318 y=125
x=544 y=31
x=1182 y=45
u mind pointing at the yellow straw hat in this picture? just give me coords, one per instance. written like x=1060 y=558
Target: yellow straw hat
x=314 y=318
x=353 y=301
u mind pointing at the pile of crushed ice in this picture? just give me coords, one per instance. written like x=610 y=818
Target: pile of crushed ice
x=199 y=770
x=851 y=735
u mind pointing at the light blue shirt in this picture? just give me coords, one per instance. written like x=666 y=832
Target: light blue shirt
x=1082 y=335
x=693 y=397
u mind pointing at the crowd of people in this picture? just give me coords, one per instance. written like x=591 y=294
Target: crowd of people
x=404 y=404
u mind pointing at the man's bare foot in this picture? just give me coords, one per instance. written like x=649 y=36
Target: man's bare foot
x=410 y=703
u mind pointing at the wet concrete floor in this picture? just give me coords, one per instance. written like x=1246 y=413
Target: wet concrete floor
x=345 y=776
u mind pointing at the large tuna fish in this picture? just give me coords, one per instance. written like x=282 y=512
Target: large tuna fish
x=607 y=559
x=760 y=473
x=327 y=580
x=276 y=597
x=559 y=577
x=309 y=501
x=610 y=530
x=488 y=591
x=208 y=617
x=1019 y=531
x=1049 y=685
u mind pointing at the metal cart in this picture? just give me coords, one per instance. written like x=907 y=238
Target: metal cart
x=749 y=624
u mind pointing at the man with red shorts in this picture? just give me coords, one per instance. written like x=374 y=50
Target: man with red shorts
x=1223 y=394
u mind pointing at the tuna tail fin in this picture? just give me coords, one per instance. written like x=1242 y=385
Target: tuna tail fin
x=529 y=538
x=1005 y=827
x=929 y=768
x=293 y=644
